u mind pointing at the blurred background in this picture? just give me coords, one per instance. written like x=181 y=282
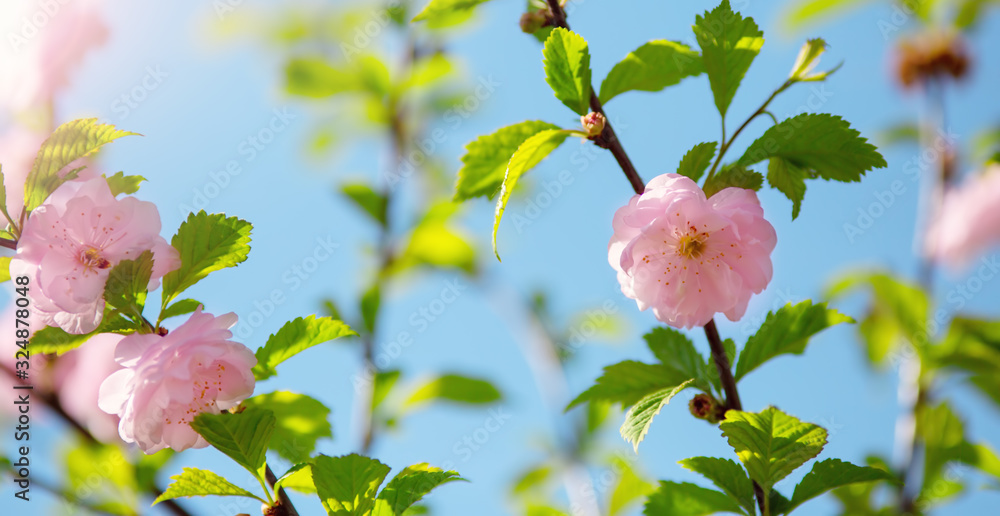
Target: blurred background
x=224 y=95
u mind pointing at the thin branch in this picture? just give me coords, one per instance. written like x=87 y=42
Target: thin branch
x=608 y=139
x=762 y=110
x=9 y=244
x=284 y=505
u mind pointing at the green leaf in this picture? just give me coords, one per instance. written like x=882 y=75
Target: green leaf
x=427 y=72
x=640 y=416
x=126 y=286
x=567 y=69
x=628 y=382
x=652 y=67
x=116 y=490
x=832 y=473
x=70 y=142
x=729 y=43
x=347 y=485
x=675 y=351
x=697 y=160
x=298 y=478
x=198 y=482
x=629 y=488
x=243 y=437
x=315 y=77
x=371 y=202
x=810 y=11
x=435 y=244
x=180 y=307
x=727 y=475
x=786 y=331
x=904 y=305
x=206 y=243
x=789 y=180
x=301 y=422
x=53 y=340
x=486 y=158
x=384 y=382
x=122 y=184
x=733 y=176
x=4 y=262
x=686 y=499
x=456 y=388
x=445 y=8
x=528 y=155
x=409 y=487
x=807 y=60
x=295 y=337
x=371 y=300
x=823 y=145
x=771 y=444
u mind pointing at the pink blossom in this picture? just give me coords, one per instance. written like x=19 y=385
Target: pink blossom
x=69 y=245
x=969 y=221
x=79 y=374
x=43 y=46
x=689 y=257
x=18 y=148
x=167 y=381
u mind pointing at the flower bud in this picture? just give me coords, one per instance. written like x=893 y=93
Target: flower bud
x=931 y=55
x=593 y=124
x=533 y=21
x=704 y=406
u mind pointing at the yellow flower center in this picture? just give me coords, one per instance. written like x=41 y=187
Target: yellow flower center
x=692 y=246
x=91 y=258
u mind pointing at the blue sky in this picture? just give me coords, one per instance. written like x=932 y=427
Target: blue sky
x=214 y=93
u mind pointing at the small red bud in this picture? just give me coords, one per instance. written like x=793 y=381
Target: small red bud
x=533 y=21
x=704 y=406
x=593 y=124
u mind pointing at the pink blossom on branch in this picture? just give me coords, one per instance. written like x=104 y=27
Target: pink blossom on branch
x=167 y=381
x=70 y=243
x=969 y=221
x=689 y=257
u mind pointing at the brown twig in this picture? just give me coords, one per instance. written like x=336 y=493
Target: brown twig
x=284 y=505
x=614 y=145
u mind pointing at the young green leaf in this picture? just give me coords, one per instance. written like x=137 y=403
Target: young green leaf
x=347 y=485
x=70 y=142
x=409 y=487
x=199 y=482
x=126 y=286
x=528 y=155
x=807 y=60
x=243 y=437
x=727 y=475
x=371 y=300
x=905 y=305
x=733 y=176
x=54 y=340
x=687 y=499
x=437 y=244
x=315 y=77
x=676 y=352
x=301 y=422
x=697 y=160
x=295 y=337
x=771 y=444
x=455 y=388
x=832 y=473
x=629 y=488
x=486 y=158
x=652 y=67
x=788 y=179
x=298 y=478
x=122 y=184
x=4 y=265
x=640 y=416
x=206 y=243
x=787 y=331
x=371 y=202
x=384 y=382
x=567 y=69
x=817 y=146
x=628 y=382
x=180 y=307
x=443 y=8
x=805 y=12
x=729 y=43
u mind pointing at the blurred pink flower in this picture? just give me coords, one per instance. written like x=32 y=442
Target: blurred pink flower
x=689 y=257
x=969 y=221
x=167 y=381
x=44 y=42
x=79 y=374
x=18 y=148
x=69 y=245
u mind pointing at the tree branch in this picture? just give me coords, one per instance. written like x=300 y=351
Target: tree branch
x=284 y=504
